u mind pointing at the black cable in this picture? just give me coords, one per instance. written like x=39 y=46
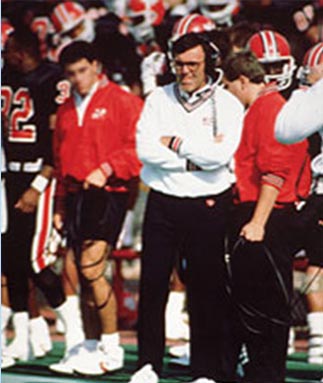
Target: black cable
x=248 y=309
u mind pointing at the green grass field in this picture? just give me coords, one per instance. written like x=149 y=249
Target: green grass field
x=36 y=371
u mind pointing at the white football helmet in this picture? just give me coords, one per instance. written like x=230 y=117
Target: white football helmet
x=142 y=16
x=220 y=11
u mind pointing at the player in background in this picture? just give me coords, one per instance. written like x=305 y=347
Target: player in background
x=31 y=91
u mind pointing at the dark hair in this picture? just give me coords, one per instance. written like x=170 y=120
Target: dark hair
x=26 y=41
x=240 y=34
x=243 y=63
x=221 y=39
x=192 y=40
x=77 y=51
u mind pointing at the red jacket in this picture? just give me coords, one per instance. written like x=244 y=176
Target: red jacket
x=261 y=159
x=107 y=136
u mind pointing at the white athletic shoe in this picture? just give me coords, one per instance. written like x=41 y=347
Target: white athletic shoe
x=315 y=349
x=180 y=351
x=181 y=355
x=101 y=361
x=203 y=380
x=113 y=358
x=72 y=359
x=39 y=336
x=183 y=361
x=7 y=361
x=19 y=350
x=145 y=375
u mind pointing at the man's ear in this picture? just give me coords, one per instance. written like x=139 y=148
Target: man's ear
x=97 y=66
x=244 y=80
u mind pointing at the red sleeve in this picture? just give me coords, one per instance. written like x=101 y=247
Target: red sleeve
x=124 y=160
x=273 y=158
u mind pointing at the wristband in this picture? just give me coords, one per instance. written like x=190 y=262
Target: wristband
x=39 y=183
x=175 y=143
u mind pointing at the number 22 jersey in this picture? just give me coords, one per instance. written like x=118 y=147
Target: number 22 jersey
x=27 y=102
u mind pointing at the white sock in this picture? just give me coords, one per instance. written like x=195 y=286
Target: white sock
x=20 y=323
x=175 y=303
x=90 y=344
x=315 y=323
x=69 y=312
x=34 y=323
x=110 y=340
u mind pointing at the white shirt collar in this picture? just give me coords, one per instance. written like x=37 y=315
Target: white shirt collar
x=82 y=103
x=195 y=96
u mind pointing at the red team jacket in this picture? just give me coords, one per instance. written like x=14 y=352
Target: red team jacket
x=261 y=159
x=107 y=135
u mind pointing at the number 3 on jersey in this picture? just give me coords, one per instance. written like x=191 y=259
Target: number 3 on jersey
x=18 y=107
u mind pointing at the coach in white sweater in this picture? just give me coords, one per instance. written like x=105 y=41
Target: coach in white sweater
x=187 y=135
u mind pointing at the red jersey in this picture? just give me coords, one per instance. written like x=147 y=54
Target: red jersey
x=105 y=137
x=261 y=159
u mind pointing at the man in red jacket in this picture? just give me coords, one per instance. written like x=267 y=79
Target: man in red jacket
x=94 y=146
x=270 y=178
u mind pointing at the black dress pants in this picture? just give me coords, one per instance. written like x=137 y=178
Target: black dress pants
x=197 y=225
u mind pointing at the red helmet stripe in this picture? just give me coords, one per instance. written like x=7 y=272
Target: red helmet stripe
x=184 y=24
x=270 y=45
x=60 y=14
x=316 y=55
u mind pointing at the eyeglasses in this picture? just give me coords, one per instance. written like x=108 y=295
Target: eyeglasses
x=192 y=66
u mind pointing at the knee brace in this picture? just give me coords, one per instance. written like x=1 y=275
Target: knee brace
x=84 y=269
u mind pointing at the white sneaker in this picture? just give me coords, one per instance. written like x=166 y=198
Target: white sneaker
x=7 y=361
x=72 y=358
x=39 y=336
x=181 y=355
x=180 y=351
x=102 y=360
x=315 y=350
x=113 y=358
x=19 y=350
x=183 y=361
x=203 y=380
x=145 y=375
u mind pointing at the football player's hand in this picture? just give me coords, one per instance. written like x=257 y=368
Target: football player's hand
x=96 y=178
x=58 y=221
x=28 y=202
x=152 y=66
x=253 y=232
